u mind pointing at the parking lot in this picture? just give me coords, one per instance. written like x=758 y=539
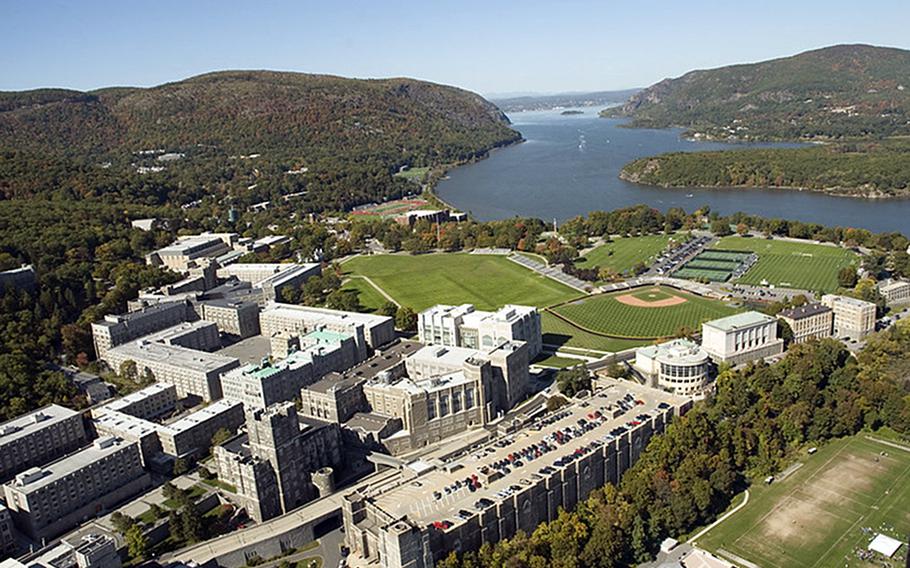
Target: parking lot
x=460 y=489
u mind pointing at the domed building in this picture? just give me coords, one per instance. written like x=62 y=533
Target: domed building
x=680 y=366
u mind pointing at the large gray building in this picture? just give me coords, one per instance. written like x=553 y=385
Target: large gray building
x=188 y=435
x=49 y=500
x=271 y=465
x=271 y=278
x=369 y=331
x=194 y=373
x=39 y=437
x=266 y=383
x=458 y=505
x=116 y=330
x=465 y=326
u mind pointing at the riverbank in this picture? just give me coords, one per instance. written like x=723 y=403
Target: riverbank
x=859 y=169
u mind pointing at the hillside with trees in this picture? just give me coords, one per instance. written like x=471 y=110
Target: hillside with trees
x=878 y=169
x=842 y=91
x=222 y=130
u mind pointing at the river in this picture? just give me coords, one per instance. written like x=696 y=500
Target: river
x=569 y=165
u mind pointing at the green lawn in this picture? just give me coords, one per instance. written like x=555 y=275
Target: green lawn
x=605 y=314
x=220 y=485
x=792 y=264
x=487 y=281
x=369 y=297
x=556 y=361
x=623 y=253
x=814 y=518
x=563 y=334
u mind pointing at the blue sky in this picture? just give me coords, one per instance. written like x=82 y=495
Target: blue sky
x=485 y=46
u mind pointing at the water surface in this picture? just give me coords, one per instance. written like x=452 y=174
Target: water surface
x=570 y=164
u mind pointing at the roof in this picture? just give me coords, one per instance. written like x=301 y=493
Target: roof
x=36 y=478
x=805 y=311
x=884 y=544
x=855 y=302
x=142 y=351
x=740 y=321
x=334 y=382
x=384 y=360
x=147 y=311
x=32 y=422
x=207 y=413
x=189 y=243
x=291 y=311
x=368 y=422
x=416 y=500
x=149 y=391
x=445 y=355
x=890 y=285
x=679 y=351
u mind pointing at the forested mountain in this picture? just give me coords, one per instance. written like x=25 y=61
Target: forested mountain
x=288 y=121
x=834 y=92
x=250 y=111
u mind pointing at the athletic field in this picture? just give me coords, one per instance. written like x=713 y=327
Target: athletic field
x=647 y=313
x=790 y=264
x=624 y=253
x=562 y=334
x=487 y=281
x=829 y=507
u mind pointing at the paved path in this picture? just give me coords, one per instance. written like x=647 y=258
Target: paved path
x=378 y=289
x=722 y=518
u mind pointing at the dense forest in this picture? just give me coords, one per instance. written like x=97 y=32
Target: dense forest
x=758 y=418
x=843 y=91
x=864 y=169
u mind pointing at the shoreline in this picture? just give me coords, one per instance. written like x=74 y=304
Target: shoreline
x=830 y=192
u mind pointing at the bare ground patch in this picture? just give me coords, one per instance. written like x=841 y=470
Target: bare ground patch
x=632 y=300
x=807 y=513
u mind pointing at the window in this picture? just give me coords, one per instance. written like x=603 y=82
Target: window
x=444 y=405
x=469 y=397
x=431 y=409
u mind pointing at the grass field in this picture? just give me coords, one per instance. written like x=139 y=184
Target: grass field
x=622 y=254
x=415 y=174
x=790 y=264
x=823 y=512
x=563 y=334
x=488 y=282
x=607 y=314
x=369 y=297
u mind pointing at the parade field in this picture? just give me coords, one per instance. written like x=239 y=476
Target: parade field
x=826 y=512
x=790 y=264
x=487 y=281
x=649 y=312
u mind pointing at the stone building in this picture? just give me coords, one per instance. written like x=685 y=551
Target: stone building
x=271 y=464
x=52 y=499
x=38 y=437
x=811 y=321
